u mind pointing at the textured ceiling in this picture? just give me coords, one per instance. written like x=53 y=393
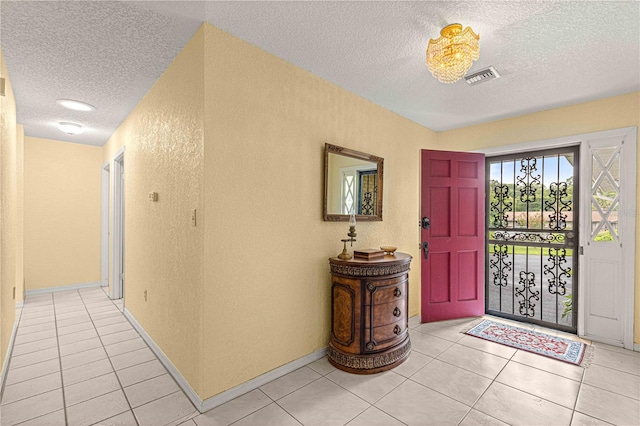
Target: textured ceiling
x=550 y=53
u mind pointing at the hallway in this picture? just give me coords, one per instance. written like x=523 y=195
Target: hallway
x=78 y=361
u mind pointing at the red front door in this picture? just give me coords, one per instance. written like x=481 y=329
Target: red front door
x=452 y=199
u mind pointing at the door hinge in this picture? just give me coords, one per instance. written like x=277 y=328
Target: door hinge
x=581 y=250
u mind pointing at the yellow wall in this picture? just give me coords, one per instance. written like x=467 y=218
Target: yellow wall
x=10 y=209
x=604 y=114
x=163 y=140
x=61 y=213
x=266 y=286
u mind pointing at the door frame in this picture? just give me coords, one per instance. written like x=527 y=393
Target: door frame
x=104 y=224
x=117 y=290
x=630 y=162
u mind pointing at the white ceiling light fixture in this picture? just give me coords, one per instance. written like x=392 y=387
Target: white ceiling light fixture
x=70 y=128
x=75 y=105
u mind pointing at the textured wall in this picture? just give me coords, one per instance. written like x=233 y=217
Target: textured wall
x=163 y=140
x=604 y=114
x=267 y=288
x=62 y=213
x=9 y=231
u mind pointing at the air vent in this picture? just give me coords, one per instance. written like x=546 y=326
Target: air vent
x=481 y=76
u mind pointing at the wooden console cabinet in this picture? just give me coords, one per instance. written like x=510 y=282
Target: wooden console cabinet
x=369 y=313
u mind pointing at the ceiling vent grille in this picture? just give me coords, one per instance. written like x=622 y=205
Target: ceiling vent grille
x=482 y=76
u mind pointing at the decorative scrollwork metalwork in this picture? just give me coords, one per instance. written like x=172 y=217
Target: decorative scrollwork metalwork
x=527 y=181
x=500 y=206
x=529 y=237
x=367 y=203
x=558 y=271
x=528 y=294
x=559 y=202
x=500 y=266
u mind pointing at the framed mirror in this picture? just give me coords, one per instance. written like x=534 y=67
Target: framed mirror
x=352 y=183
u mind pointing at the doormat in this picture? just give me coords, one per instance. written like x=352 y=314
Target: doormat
x=532 y=341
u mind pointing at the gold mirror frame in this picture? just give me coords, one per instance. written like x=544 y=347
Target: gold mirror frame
x=379 y=161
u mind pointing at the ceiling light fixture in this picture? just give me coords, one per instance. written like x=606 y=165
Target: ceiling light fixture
x=75 y=105
x=70 y=128
x=450 y=57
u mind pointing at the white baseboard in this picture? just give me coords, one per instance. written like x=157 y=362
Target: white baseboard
x=61 y=288
x=5 y=364
x=19 y=305
x=263 y=379
x=636 y=347
x=227 y=395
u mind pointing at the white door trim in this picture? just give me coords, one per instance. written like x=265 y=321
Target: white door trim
x=104 y=226
x=118 y=225
x=628 y=215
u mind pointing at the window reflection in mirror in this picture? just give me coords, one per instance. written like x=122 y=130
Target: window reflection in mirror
x=353 y=184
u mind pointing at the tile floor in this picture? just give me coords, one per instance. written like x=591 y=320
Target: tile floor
x=78 y=361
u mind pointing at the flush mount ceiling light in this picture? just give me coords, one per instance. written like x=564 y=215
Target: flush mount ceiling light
x=450 y=57
x=75 y=105
x=70 y=128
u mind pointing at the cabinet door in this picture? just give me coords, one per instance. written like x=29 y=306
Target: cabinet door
x=346 y=311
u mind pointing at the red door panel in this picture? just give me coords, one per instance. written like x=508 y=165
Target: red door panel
x=452 y=197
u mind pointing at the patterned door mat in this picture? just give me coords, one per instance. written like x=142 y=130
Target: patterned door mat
x=532 y=341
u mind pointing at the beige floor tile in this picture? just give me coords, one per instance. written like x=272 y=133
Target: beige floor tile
x=74 y=328
x=165 y=410
x=476 y=361
x=271 y=415
x=564 y=369
x=452 y=331
x=115 y=319
x=132 y=358
x=580 y=419
x=624 y=351
x=427 y=344
x=476 y=418
x=114 y=328
x=322 y=366
x=110 y=339
x=21 y=374
x=613 y=380
x=35 y=321
x=28 y=329
x=86 y=371
x=540 y=383
x=234 y=410
x=34 y=357
x=617 y=361
x=323 y=403
x=89 y=389
x=37 y=313
x=31 y=408
x=76 y=360
x=81 y=346
x=414 y=404
x=374 y=417
x=150 y=390
x=454 y=382
x=414 y=363
x=51 y=419
x=79 y=336
x=126 y=346
x=140 y=372
x=106 y=314
x=71 y=315
x=125 y=419
x=97 y=409
x=487 y=346
x=370 y=387
x=519 y=408
x=33 y=337
x=31 y=347
x=608 y=406
x=290 y=382
x=31 y=388
x=72 y=321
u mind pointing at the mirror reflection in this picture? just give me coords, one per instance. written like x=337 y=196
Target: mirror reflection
x=353 y=184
